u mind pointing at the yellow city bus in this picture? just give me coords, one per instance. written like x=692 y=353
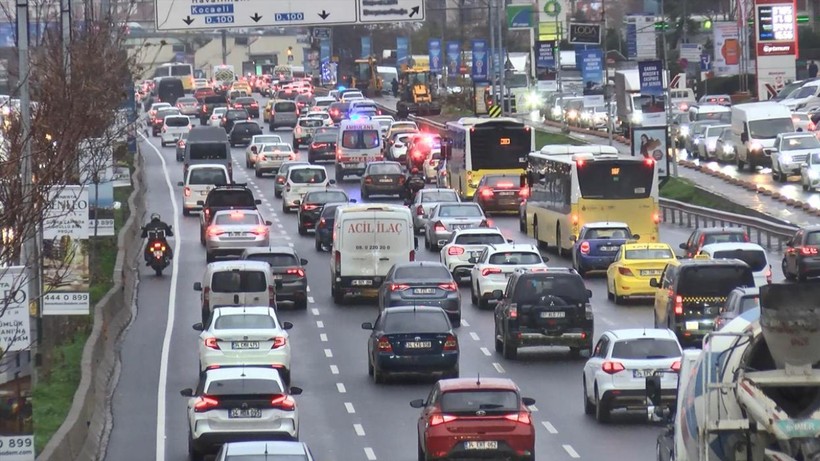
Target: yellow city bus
x=574 y=185
x=180 y=70
x=484 y=146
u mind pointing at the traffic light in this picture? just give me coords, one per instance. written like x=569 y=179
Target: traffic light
x=706 y=24
x=661 y=25
x=802 y=19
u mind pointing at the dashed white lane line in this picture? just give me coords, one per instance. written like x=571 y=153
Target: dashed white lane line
x=323 y=337
x=533 y=408
x=328 y=353
x=474 y=335
x=371 y=455
x=464 y=323
x=311 y=300
x=496 y=365
x=281 y=226
x=571 y=451
x=314 y=311
x=308 y=289
x=320 y=324
x=486 y=351
x=334 y=369
x=359 y=429
x=290 y=244
x=549 y=427
x=349 y=408
x=341 y=388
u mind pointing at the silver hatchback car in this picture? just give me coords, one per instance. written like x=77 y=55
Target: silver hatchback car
x=232 y=231
x=424 y=202
x=446 y=218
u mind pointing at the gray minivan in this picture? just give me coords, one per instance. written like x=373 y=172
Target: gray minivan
x=207 y=144
x=283 y=113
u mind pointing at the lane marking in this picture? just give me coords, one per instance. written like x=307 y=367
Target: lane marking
x=308 y=289
x=323 y=337
x=341 y=388
x=371 y=455
x=549 y=427
x=464 y=323
x=314 y=311
x=498 y=367
x=162 y=384
x=359 y=429
x=571 y=451
x=474 y=335
x=310 y=298
x=328 y=353
x=334 y=369
x=533 y=408
x=349 y=407
x=320 y=324
x=486 y=351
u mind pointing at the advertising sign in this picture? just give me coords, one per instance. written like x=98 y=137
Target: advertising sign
x=641 y=38
x=545 y=54
x=402 y=51
x=324 y=50
x=66 y=213
x=453 y=59
x=366 y=46
x=66 y=276
x=653 y=108
x=434 y=51
x=19 y=447
x=519 y=16
x=652 y=143
x=727 y=49
x=14 y=312
x=592 y=70
x=776 y=34
x=480 y=61
x=584 y=34
x=590 y=10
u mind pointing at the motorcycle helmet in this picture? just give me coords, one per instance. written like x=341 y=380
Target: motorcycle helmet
x=155 y=217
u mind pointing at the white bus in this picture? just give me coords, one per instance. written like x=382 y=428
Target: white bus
x=180 y=70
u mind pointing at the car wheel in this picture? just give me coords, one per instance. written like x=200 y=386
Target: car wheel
x=194 y=455
x=499 y=345
x=421 y=456
x=186 y=212
x=522 y=222
x=426 y=242
x=601 y=411
x=247 y=163
x=805 y=187
x=473 y=297
x=617 y=298
x=740 y=163
x=508 y=350
x=201 y=236
x=589 y=408
x=205 y=314
x=285 y=208
x=295 y=145
x=277 y=194
x=302 y=230
x=452 y=374
x=369 y=367
x=379 y=377
x=456 y=322
x=318 y=245
x=785 y=268
x=338 y=297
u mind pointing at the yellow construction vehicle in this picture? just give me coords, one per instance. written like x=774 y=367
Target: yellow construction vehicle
x=415 y=95
x=366 y=78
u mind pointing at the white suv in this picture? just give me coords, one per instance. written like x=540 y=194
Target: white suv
x=494 y=266
x=299 y=181
x=173 y=128
x=466 y=244
x=615 y=374
x=236 y=404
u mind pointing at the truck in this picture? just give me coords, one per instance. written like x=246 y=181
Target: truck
x=629 y=101
x=223 y=76
x=753 y=392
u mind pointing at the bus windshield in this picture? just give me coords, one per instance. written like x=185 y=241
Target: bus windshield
x=499 y=147
x=615 y=180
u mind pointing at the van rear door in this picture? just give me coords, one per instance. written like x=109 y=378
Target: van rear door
x=373 y=242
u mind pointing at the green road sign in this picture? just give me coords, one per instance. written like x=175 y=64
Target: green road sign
x=552 y=8
x=519 y=16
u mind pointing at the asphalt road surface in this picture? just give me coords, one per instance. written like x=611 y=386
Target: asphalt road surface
x=344 y=416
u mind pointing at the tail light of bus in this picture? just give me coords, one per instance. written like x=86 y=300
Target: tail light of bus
x=656 y=217
x=574 y=219
x=584 y=247
x=524 y=193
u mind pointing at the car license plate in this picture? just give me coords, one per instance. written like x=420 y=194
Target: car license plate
x=475 y=254
x=418 y=345
x=361 y=283
x=506 y=193
x=245 y=413
x=424 y=291
x=386 y=180
x=642 y=373
x=481 y=445
x=609 y=248
x=204 y=193
x=553 y=315
x=276 y=276
x=692 y=325
x=245 y=345
x=650 y=272
x=237 y=234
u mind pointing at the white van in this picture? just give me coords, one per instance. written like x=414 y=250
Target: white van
x=798 y=99
x=198 y=182
x=701 y=112
x=755 y=127
x=236 y=283
x=359 y=143
x=299 y=181
x=368 y=240
x=751 y=253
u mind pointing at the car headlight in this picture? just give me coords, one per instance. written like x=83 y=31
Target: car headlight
x=727 y=149
x=637 y=118
x=572 y=114
x=696 y=141
x=684 y=130
x=533 y=100
x=755 y=146
x=785 y=158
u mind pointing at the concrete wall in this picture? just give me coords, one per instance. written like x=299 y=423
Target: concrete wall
x=211 y=54
x=84 y=433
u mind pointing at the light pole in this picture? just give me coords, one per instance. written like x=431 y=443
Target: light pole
x=667 y=106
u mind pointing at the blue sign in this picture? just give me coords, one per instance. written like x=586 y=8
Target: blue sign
x=324 y=50
x=651 y=77
x=223 y=19
x=402 y=50
x=434 y=51
x=592 y=67
x=226 y=8
x=453 y=59
x=366 y=46
x=631 y=41
x=545 y=54
x=288 y=17
x=480 y=61
x=705 y=63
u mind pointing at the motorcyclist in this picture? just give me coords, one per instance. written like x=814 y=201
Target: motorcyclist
x=415 y=181
x=156 y=225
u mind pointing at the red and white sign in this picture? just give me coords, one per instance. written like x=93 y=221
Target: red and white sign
x=775 y=36
x=776 y=49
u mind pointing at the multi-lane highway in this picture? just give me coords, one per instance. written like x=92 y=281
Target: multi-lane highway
x=344 y=416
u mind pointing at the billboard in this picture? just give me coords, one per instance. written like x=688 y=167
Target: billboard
x=727 y=49
x=402 y=51
x=480 y=61
x=545 y=54
x=453 y=59
x=15 y=334
x=434 y=52
x=652 y=143
x=366 y=46
x=653 y=107
x=776 y=41
x=66 y=213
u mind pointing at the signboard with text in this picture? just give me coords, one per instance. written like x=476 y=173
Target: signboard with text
x=776 y=45
x=653 y=108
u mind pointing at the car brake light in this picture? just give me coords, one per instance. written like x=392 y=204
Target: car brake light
x=438 y=418
x=807 y=251
x=675 y=366
x=486 y=223
x=512 y=312
x=164 y=129
x=215 y=231
x=449 y=286
x=451 y=343
x=261 y=230
x=205 y=403
x=337 y=258
x=368 y=180
x=296 y=272
x=280 y=179
x=486 y=192
x=283 y=402
x=212 y=343
x=309 y=207
x=769 y=274
x=322 y=224
x=522 y=417
x=398 y=287
x=584 y=247
x=455 y=251
x=678 y=305
x=384 y=345
x=279 y=341
x=439 y=227
x=490 y=270
x=187 y=191
x=610 y=367
x=412 y=256
x=625 y=271
x=524 y=192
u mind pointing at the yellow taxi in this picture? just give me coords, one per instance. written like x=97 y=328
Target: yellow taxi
x=242 y=86
x=268 y=109
x=634 y=266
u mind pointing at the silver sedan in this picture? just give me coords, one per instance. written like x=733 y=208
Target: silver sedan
x=424 y=202
x=446 y=218
x=232 y=231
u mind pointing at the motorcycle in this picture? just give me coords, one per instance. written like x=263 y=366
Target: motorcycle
x=157 y=248
x=414 y=184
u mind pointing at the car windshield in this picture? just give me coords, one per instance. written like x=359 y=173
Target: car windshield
x=360 y=139
x=730 y=237
x=422 y=273
x=247 y=126
x=236 y=114
x=756 y=259
x=716 y=281
x=220 y=111
x=798 y=142
x=177 y=121
x=311 y=122
x=459 y=211
x=748 y=303
x=472 y=401
x=237 y=218
x=239 y=281
x=325 y=197
x=266 y=139
x=308 y=175
x=480 y=239
x=246 y=100
x=512 y=258
x=607 y=233
x=645 y=348
x=438 y=196
x=207 y=176
x=231 y=198
x=650 y=253
x=244 y=322
x=246 y=386
x=531 y=289
x=770 y=128
x=700 y=127
x=329 y=212
x=284 y=107
x=415 y=322
x=385 y=168
x=325 y=137
x=275 y=259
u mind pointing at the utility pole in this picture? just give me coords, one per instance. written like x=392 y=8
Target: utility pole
x=65 y=21
x=491 y=61
x=607 y=90
x=666 y=103
x=502 y=58
x=224 y=46
x=558 y=73
x=30 y=255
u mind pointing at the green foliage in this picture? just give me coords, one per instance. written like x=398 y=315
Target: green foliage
x=542 y=138
x=686 y=191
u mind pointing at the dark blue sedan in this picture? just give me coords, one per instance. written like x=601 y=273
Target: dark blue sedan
x=324 y=226
x=597 y=244
x=411 y=340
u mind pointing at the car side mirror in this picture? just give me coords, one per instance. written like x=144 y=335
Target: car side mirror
x=744 y=137
x=636 y=237
x=257 y=201
x=472 y=260
x=510 y=241
x=278 y=285
x=197 y=286
x=589 y=294
x=653 y=282
x=353 y=200
x=200 y=202
x=573 y=238
x=418 y=403
x=303 y=261
x=268 y=223
x=416 y=243
x=498 y=295
x=683 y=246
x=287 y=325
x=187 y=392
x=198 y=326
x=180 y=184
x=528 y=401
x=332 y=181
x=367 y=326
x=297 y=202
x=295 y=390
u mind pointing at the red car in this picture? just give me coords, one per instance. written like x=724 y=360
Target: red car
x=475 y=418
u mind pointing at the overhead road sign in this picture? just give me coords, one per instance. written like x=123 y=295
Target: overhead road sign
x=321 y=32
x=374 y=11
x=197 y=14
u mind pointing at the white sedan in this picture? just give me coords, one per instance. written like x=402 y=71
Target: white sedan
x=810 y=172
x=466 y=244
x=257 y=141
x=216 y=116
x=495 y=264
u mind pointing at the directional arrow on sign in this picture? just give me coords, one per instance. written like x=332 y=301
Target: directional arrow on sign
x=256 y=17
x=324 y=14
x=414 y=11
x=188 y=20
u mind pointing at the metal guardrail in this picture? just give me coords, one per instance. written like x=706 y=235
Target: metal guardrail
x=766 y=233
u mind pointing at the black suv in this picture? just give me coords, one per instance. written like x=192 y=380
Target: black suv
x=232 y=116
x=243 y=132
x=543 y=307
x=230 y=197
x=707 y=235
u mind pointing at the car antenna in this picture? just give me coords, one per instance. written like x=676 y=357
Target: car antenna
x=644 y=331
x=478 y=379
